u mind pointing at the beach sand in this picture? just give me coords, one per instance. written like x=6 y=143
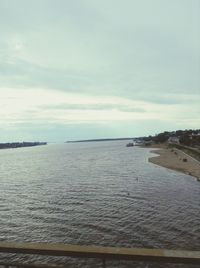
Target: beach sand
x=174 y=159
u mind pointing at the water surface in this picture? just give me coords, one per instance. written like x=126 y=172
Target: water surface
x=99 y=193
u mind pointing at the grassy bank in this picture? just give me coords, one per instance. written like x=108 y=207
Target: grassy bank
x=188 y=150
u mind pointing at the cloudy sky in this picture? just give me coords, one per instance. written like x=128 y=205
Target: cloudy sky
x=98 y=68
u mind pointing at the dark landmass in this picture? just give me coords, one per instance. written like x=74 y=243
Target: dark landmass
x=20 y=144
x=93 y=140
x=187 y=137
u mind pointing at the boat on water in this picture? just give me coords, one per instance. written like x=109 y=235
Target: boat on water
x=135 y=142
x=130 y=144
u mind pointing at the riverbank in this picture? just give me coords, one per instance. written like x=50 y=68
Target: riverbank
x=176 y=160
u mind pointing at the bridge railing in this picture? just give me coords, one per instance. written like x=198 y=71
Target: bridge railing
x=103 y=253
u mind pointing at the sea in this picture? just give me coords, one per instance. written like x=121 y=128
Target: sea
x=95 y=193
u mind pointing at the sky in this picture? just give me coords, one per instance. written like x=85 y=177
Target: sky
x=89 y=69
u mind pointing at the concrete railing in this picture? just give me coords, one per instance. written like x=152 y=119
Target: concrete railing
x=103 y=253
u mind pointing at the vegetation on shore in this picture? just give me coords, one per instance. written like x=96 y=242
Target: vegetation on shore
x=186 y=140
x=195 y=153
x=186 y=137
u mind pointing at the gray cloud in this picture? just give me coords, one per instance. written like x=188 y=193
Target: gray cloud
x=139 y=50
x=96 y=107
x=87 y=47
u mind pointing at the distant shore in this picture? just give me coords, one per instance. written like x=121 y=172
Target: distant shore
x=98 y=140
x=11 y=145
x=177 y=160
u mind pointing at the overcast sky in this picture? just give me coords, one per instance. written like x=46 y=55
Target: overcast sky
x=98 y=68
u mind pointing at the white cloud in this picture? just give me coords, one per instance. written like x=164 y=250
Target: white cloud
x=28 y=105
x=41 y=106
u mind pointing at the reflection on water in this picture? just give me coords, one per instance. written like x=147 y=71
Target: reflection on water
x=99 y=193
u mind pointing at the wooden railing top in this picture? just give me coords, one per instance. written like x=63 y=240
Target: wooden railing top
x=139 y=254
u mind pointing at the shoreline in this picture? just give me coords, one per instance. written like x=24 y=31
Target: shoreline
x=176 y=160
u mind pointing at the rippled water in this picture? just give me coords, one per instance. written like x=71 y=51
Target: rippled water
x=100 y=193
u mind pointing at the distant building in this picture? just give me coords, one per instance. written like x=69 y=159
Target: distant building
x=194 y=135
x=173 y=139
x=147 y=143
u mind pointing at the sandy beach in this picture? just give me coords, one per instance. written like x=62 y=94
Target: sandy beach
x=176 y=160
